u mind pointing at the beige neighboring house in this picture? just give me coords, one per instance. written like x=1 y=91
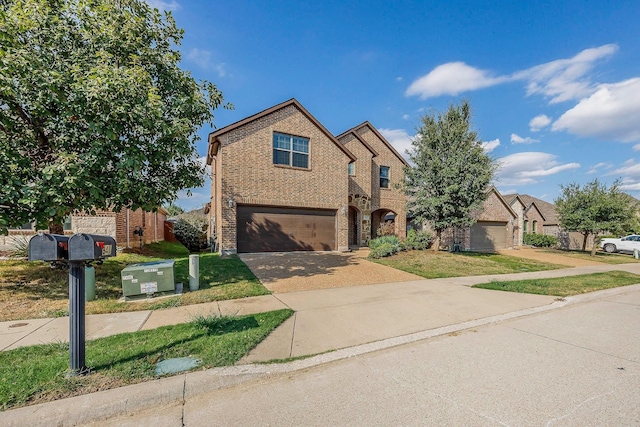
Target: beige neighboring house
x=282 y=182
x=542 y=218
x=119 y=225
x=495 y=227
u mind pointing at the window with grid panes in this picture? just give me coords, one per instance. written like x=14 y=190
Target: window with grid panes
x=290 y=150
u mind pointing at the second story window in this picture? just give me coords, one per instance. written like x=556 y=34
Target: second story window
x=384 y=176
x=290 y=150
x=352 y=168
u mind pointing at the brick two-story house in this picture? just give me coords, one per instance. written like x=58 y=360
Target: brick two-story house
x=282 y=182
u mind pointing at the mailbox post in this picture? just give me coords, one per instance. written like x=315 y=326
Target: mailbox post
x=78 y=250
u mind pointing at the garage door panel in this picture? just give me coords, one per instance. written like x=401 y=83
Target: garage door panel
x=272 y=229
x=488 y=236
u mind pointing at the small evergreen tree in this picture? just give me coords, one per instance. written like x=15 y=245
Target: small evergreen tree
x=451 y=172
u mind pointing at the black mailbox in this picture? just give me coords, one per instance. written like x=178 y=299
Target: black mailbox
x=86 y=247
x=48 y=247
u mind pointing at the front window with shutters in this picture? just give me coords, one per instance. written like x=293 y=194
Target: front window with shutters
x=290 y=150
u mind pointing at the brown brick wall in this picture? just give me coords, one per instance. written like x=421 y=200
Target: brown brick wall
x=533 y=214
x=381 y=198
x=360 y=183
x=246 y=174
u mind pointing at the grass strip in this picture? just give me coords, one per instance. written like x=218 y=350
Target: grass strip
x=433 y=265
x=36 y=374
x=34 y=290
x=565 y=286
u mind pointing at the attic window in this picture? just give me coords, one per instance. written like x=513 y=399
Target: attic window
x=290 y=150
x=352 y=168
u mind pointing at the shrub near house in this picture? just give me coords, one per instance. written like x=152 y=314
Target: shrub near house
x=540 y=240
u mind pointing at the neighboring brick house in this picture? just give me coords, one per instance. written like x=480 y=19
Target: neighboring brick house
x=518 y=206
x=551 y=225
x=495 y=228
x=119 y=225
x=281 y=182
x=375 y=178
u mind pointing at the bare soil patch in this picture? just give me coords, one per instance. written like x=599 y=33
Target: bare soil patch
x=544 y=256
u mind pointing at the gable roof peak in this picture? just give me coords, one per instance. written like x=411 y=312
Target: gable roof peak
x=214 y=142
x=373 y=129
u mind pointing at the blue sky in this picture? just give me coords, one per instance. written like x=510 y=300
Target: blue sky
x=554 y=86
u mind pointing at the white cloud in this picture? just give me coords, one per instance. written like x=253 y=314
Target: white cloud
x=451 y=79
x=598 y=167
x=400 y=140
x=526 y=168
x=610 y=113
x=489 y=146
x=636 y=147
x=629 y=173
x=406 y=117
x=164 y=5
x=399 y=78
x=565 y=79
x=539 y=122
x=517 y=139
x=561 y=80
x=203 y=59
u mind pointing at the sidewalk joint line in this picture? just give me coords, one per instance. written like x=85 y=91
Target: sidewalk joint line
x=293 y=334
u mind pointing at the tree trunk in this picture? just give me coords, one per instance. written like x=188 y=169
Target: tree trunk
x=55 y=227
x=594 y=246
x=435 y=246
x=584 y=241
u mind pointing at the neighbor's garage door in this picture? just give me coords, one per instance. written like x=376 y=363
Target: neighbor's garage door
x=272 y=229
x=488 y=236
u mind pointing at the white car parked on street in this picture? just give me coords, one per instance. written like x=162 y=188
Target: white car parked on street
x=625 y=244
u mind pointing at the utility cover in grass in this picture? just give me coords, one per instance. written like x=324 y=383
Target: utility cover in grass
x=180 y=364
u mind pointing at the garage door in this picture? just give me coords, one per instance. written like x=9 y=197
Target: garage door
x=273 y=229
x=488 y=236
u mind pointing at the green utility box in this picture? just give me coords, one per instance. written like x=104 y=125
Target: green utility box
x=148 y=279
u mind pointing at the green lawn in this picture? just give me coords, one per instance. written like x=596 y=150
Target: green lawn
x=36 y=374
x=433 y=265
x=33 y=289
x=566 y=286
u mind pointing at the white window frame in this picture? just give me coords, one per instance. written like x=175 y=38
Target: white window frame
x=290 y=150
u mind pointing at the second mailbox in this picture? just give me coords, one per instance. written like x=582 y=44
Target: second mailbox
x=85 y=247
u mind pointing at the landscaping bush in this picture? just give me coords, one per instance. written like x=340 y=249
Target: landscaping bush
x=384 y=246
x=540 y=240
x=191 y=231
x=386 y=229
x=374 y=243
x=418 y=240
x=383 y=250
x=20 y=247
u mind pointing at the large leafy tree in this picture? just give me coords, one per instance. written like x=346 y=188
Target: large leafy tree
x=451 y=171
x=95 y=111
x=594 y=209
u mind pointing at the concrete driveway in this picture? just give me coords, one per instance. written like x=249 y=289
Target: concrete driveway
x=302 y=271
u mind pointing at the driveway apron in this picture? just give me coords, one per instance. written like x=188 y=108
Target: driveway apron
x=301 y=271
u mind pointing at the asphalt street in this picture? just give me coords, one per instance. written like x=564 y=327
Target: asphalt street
x=574 y=366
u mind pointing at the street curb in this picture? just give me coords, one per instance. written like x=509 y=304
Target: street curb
x=124 y=401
